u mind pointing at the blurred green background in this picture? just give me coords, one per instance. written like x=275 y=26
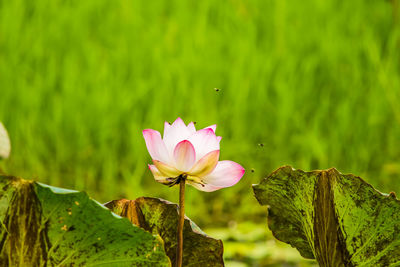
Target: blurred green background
x=312 y=84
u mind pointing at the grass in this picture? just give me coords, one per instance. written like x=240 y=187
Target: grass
x=316 y=82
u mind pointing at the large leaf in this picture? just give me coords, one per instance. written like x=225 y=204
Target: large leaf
x=161 y=217
x=338 y=219
x=49 y=226
x=5 y=146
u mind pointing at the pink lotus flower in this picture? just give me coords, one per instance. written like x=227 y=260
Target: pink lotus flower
x=183 y=151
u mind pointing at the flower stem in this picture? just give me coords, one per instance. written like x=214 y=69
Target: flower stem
x=179 y=251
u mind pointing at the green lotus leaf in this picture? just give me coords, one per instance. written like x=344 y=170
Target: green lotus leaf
x=48 y=226
x=160 y=217
x=338 y=219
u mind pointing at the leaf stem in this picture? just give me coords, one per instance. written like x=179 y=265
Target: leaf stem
x=179 y=251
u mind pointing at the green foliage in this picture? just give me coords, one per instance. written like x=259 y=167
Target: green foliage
x=315 y=81
x=160 y=217
x=340 y=220
x=49 y=226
